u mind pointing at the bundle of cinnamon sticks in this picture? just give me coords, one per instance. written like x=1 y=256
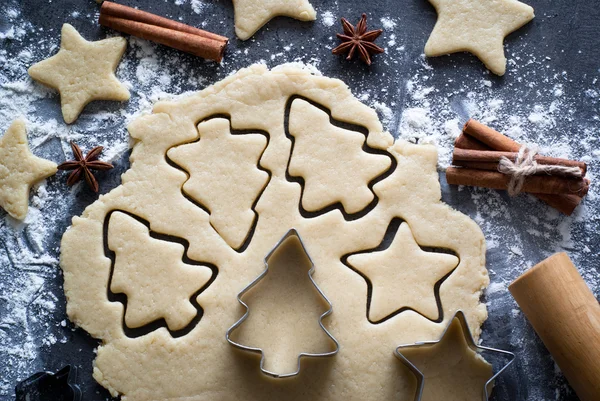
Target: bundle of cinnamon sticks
x=163 y=30
x=477 y=155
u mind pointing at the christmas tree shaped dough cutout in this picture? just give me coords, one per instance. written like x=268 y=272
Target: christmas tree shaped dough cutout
x=389 y=270
x=152 y=275
x=316 y=145
x=224 y=176
x=284 y=311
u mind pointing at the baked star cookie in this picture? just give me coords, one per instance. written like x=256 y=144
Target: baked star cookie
x=251 y=15
x=273 y=131
x=82 y=71
x=19 y=170
x=478 y=27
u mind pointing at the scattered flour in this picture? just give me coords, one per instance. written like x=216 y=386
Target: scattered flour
x=327 y=18
x=198 y=6
x=392 y=40
x=388 y=23
x=495 y=288
x=385 y=112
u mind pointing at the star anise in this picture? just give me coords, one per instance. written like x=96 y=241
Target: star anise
x=83 y=166
x=358 y=38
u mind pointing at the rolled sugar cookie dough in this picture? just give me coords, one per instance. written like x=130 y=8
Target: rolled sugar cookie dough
x=315 y=159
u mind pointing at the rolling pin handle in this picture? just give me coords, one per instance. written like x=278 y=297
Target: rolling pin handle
x=566 y=315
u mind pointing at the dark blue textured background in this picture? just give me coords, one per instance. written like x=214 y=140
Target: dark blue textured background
x=566 y=32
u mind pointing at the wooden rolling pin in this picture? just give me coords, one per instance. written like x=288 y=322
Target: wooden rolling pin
x=566 y=316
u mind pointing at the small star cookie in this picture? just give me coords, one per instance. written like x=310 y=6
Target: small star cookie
x=251 y=15
x=82 y=71
x=19 y=169
x=478 y=27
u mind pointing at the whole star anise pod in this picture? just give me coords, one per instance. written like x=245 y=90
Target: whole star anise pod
x=358 y=38
x=83 y=166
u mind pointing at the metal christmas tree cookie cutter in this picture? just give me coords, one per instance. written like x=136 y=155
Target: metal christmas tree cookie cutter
x=291 y=233
x=470 y=343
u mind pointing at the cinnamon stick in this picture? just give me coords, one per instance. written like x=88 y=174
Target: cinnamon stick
x=490 y=137
x=564 y=203
x=163 y=30
x=533 y=184
x=489 y=160
x=467 y=142
x=121 y=11
x=489 y=166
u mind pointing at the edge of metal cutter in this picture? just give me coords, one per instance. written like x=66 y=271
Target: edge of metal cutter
x=470 y=342
x=290 y=233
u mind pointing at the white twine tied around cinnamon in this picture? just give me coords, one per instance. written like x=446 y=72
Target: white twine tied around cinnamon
x=525 y=166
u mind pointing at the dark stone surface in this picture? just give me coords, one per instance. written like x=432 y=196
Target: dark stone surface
x=566 y=32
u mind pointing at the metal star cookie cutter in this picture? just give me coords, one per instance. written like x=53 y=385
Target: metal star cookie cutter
x=290 y=233
x=470 y=342
x=59 y=386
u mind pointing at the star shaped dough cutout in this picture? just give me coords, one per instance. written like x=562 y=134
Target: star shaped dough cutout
x=390 y=269
x=19 y=170
x=152 y=274
x=251 y=15
x=477 y=27
x=450 y=361
x=82 y=71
